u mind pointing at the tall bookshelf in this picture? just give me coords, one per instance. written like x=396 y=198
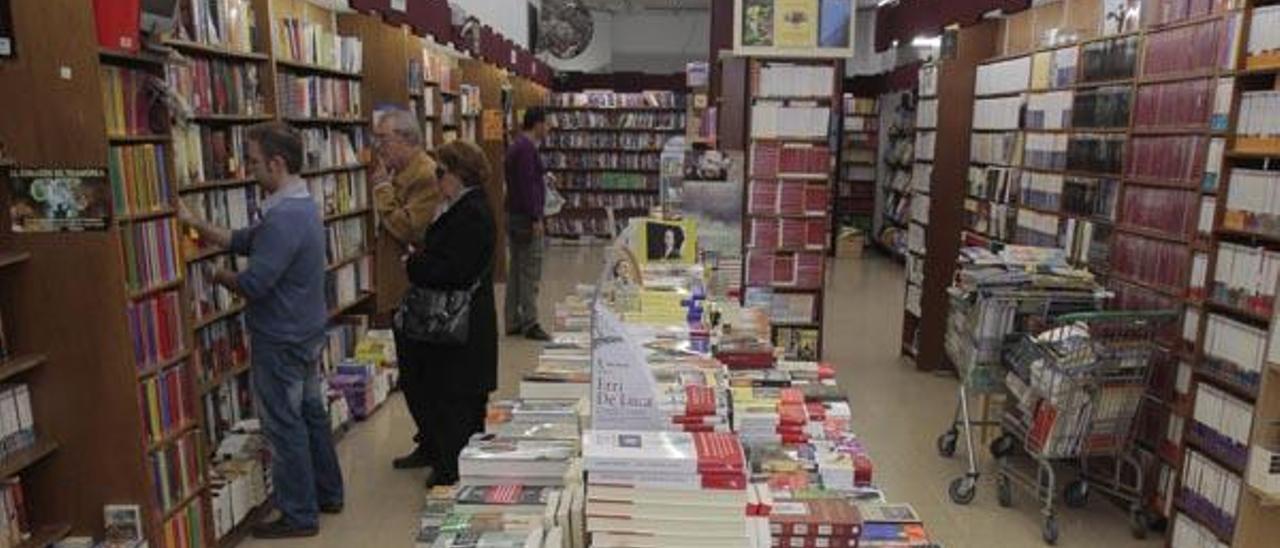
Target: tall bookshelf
x=604 y=150
x=944 y=114
x=897 y=156
x=854 y=201
x=790 y=134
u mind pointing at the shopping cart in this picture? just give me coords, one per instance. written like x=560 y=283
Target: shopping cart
x=981 y=323
x=1074 y=393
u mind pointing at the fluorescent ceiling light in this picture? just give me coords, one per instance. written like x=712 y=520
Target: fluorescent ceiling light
x=927 y=42
x=883 y=3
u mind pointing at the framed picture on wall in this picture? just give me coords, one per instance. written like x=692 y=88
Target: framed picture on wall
x=794 y=28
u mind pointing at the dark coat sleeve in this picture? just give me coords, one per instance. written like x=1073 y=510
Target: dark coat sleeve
x=457 y=248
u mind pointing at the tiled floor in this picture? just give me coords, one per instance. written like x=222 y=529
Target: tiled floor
x=897 y=410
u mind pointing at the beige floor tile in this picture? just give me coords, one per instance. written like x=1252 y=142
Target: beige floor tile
x=897 y=410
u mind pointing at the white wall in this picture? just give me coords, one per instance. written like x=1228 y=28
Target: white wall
x=660 y=42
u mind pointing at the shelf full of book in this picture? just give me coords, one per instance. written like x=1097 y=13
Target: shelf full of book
x=791 y=176
x=854 y=201
x=893 y=192
x=604 y=151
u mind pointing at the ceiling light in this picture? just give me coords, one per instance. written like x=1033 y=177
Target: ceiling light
x=927 y=42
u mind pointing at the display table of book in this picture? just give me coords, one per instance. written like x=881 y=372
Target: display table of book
x=659 y=416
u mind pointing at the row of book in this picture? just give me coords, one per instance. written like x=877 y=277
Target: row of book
x=15 y=520
x=1235 y=349
x=237 y=486
x=155 y=324
x=1090 y=197
x=345 y=239
x=17 y=424
x=1112 y=59
x=998 y=113
x=207 y=297
x=1049 y=110
x=1033 y=228
x=601 y=140
x=1157 y=262
x=926 y=143
x=151 y=253
x=328 y=147
x=1187 y=533
x=164 y=398
x=1253 y=201
x=863 y=107
x=1096 y=153
x=221 y=346
x=788 y=234
x=1164 y=12
x=176 y=471
x=139 y=179
x=776 y=120
x=227 y=403
x=203 y=153
x=606 y=181
x=801 y=270
x=554 y=159
x=1054 y=69
x=1262 y=39
x=1184 y=104
x=628 y=200
x=439 y=69
x=348 y=283
x=1045 y=151
x=234 y=207
x=315 y=43
x=1170 y=211
x=784 y=308
x=1101 y=107
x=339 y=193
x=217 y=86
x=186 y=529
x=1245 y=277
x=590 y=225
x=770 y=158
x=610 y=99
x=1169 y=159
x=785 y=197
x=1259 y=114
x=1002 y=149
x=1040 y=190
x=577 y=120
x=1193 y=48
x=927 y=113
x=1209 y=492
x=230 y=24
x=127 y=99
x=299 y=96
x=1001 y=77
x=792 y=80
x=1223 y=423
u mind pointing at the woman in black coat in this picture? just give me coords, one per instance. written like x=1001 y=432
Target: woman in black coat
x=456 y=251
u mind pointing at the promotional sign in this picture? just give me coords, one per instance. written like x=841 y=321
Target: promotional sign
x=55 y=200
x=624 y=394
x=794 y=28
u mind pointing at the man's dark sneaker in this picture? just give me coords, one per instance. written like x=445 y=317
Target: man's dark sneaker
x=416 y=459
x=331 y=508
x=282 y=529
x=535 y=333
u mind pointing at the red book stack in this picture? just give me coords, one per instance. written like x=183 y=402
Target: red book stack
x=814 y=523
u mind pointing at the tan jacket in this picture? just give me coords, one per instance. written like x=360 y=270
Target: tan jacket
x=405 y=209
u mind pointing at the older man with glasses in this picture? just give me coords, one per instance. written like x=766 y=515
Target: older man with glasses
x=407 y=196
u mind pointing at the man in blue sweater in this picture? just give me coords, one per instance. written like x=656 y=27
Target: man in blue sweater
x=286 y=313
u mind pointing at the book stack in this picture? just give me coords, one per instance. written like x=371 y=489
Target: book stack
x=241 y=481
x=498 y=516
x=665 y=489
x=488 y=460
x=814 y=522
x=765 y=416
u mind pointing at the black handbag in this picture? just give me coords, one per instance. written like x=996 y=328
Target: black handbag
x=440 y=317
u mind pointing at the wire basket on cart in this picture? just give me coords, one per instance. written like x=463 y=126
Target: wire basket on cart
x=1075 y=392
x=980 y=325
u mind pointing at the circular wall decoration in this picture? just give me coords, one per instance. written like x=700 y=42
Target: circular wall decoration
x=566 y=28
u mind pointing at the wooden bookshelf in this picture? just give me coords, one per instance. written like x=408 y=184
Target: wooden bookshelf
x=854 y=202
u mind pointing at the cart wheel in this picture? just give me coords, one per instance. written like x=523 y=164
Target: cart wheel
x=947 y=443
x=1076 y=495
x=1004 y=491
x=1003 y=445
x=1139 y=523
x=1050 y=530
x=962 y=490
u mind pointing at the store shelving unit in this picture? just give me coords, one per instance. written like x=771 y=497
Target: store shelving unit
x=854 y=201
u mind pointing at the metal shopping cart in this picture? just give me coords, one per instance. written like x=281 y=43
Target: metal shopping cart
x=981 y=323
x=1074 y=392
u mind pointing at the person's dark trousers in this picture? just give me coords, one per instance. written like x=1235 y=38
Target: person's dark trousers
x=290 y=399
x=454 y=418
x=524 y=275
x=415 y=381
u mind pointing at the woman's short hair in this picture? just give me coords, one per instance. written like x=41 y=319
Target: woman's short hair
x=466 y=160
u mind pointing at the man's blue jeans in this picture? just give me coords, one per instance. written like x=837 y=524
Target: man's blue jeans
x=290 y=403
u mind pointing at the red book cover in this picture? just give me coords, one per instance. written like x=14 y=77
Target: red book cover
x=763 y=199
x=699 y=401
x=719 y=453
x=759 y=268
x=764 y=233
x=862 y=469
x=815 y=518
x=764 y=159
x=794 y=396
x=793 y=233
x=813 y=542
x=784 y=270
x=724 y=482
x=816 y=199
x=791 y=198
x=815 y=236
x=117 y=23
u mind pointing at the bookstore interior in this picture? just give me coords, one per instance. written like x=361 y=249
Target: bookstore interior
x=812 y=273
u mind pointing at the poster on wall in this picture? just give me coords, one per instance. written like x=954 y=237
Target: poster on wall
x=57 y=200
x=794 y=28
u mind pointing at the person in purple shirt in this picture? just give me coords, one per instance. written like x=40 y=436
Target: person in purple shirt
x=526 y=194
